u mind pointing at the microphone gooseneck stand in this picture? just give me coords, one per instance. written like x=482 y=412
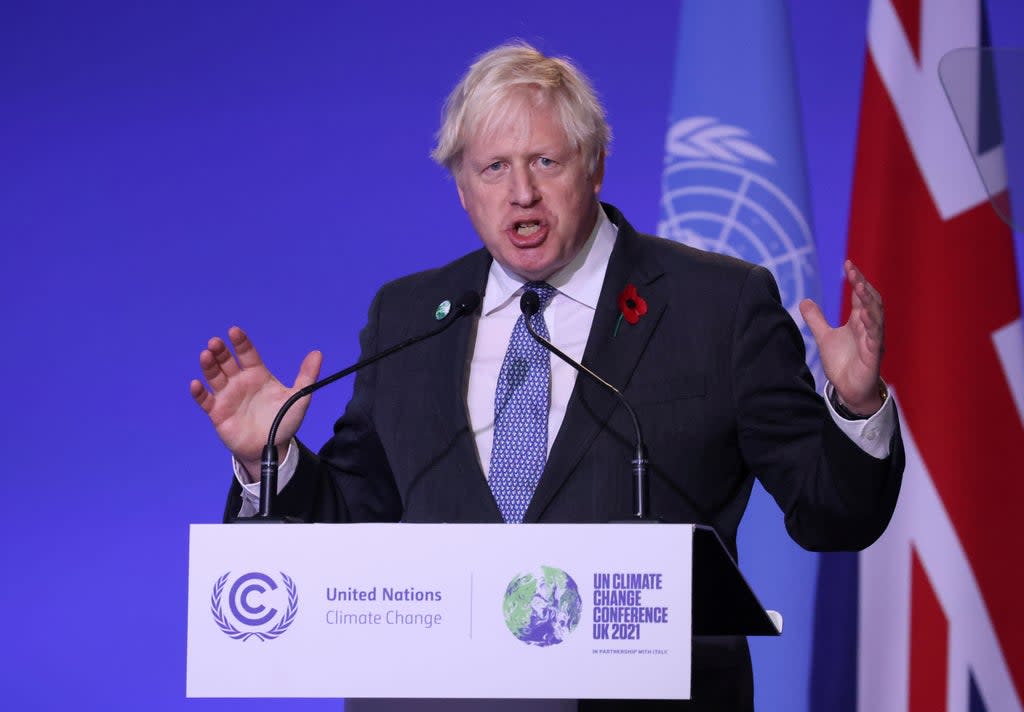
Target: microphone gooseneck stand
x=466 y=304
x=529 y=304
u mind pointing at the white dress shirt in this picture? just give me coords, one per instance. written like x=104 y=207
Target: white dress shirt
x=568 y=316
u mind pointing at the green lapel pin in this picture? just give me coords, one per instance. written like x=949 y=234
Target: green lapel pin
x=442 y=310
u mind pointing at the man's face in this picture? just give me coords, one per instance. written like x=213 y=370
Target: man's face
x=528 y=191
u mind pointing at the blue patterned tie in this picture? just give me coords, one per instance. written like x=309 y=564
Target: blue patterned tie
x=521 y=402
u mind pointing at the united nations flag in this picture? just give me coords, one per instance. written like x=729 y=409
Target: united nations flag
x=734 y=177
x=734 y=183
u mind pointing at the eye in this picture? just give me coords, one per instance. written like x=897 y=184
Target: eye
x=494 y=167
x=545 y=162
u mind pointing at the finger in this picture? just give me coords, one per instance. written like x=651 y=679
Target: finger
x=866 y=282
x=225 y=359
x=862 y=302
x=853 y=276
x=867 y=293
x=853 y=279
x=872 y=302
x=201 y=396
x=874 y=343
x=856 y=277
x=878 y=345
x=248 y=357
x=859 y=300
x=816 y=321
x=868 y=317
x=870 y=337
x=212 y=372
x=868 y=307
x=873 y=328
x=309 y=369
x=853 y=273
x=875 y=294
x=869 y=327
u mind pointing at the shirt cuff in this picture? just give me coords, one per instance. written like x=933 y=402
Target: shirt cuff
x=251 y=490
x=872 y=435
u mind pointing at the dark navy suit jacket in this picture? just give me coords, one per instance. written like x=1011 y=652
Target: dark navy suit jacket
x=715 y=370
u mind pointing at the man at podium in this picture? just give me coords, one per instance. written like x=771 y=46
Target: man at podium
x=481 y=424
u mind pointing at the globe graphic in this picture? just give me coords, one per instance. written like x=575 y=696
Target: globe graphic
x=542 y=607
x=717 y=199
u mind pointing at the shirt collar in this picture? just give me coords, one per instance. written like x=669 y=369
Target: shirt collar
x=580 y=280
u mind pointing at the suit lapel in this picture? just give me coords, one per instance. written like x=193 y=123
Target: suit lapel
x=613 y=356
x=450 y=365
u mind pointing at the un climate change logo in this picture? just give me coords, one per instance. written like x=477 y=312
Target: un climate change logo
x=716 y=196
x=542 y=607
x=250 y=601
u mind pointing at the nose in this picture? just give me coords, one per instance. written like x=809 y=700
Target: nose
x=523 y=191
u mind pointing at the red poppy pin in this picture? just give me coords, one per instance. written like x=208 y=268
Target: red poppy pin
x=631 y=306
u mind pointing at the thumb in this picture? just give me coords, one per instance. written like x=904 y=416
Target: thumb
x=811 y=313
x=309 y=369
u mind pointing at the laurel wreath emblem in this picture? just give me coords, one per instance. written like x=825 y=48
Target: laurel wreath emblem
x=703 y=137
x=228 y=627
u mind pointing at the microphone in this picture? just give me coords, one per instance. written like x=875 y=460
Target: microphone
x=466 y=304
x=529 y=304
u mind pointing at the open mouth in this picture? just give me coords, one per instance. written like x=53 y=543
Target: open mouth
x=527 y=228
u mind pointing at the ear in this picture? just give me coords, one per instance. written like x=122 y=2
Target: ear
x=598 y=177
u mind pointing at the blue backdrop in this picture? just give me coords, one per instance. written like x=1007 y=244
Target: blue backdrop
x=168 y=169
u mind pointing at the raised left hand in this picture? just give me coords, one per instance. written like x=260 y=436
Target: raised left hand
x=851 y=355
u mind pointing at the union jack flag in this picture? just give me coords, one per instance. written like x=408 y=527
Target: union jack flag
x=940 y=621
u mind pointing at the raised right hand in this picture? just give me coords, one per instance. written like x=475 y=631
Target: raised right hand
x=244 y=397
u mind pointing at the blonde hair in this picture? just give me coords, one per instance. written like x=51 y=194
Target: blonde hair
x=501 y=75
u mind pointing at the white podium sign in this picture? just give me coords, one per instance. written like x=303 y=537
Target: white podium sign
x=440 y=610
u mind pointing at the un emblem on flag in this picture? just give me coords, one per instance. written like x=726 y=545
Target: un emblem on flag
x=717 y=196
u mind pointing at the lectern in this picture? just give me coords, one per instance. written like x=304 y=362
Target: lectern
x=458 y=610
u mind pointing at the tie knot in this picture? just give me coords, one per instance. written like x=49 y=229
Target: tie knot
x=544 y=293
